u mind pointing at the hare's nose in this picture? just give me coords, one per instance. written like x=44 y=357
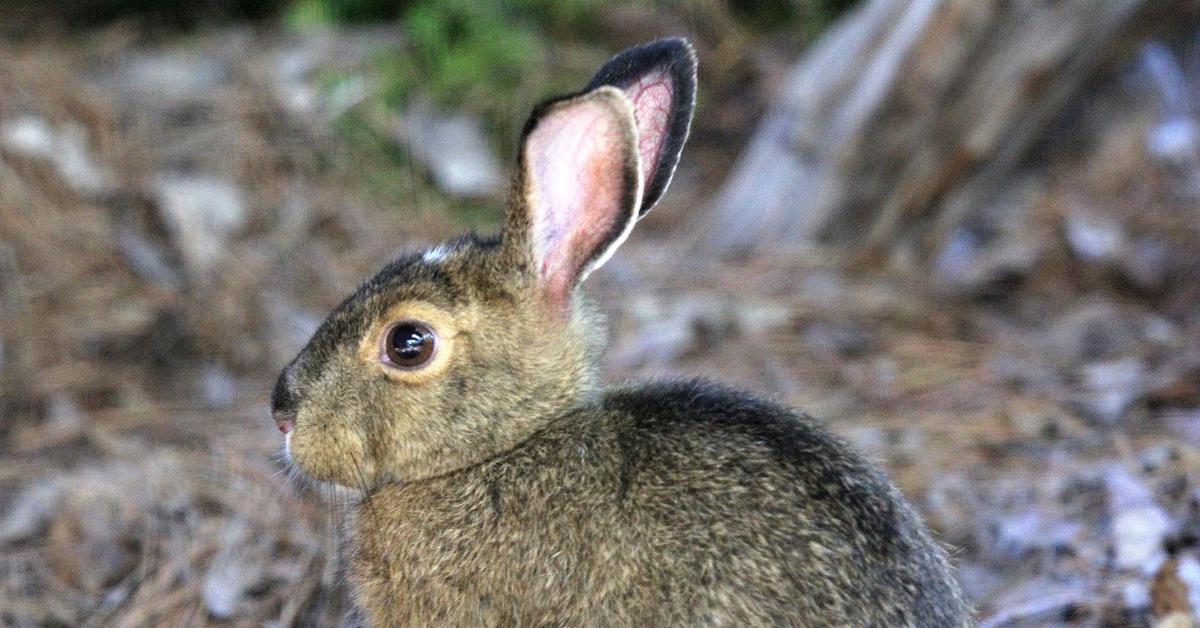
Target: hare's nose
x=284 y=402
x=285 y=421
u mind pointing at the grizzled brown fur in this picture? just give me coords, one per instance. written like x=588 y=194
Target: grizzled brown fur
x=502 y=485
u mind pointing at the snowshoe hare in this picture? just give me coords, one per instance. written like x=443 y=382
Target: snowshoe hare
x=500 y=483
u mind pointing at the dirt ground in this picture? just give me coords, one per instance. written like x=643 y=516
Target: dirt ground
x=176 y=217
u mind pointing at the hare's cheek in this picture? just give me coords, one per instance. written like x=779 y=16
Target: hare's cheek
x=330 y=453
x=298 y=451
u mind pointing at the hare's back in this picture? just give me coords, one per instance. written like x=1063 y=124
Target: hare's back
x=695 y=440
x=776 y=503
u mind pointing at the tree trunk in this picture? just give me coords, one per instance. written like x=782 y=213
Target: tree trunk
x=910 y=113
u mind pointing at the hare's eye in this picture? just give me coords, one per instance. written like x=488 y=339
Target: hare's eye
x=409 y=345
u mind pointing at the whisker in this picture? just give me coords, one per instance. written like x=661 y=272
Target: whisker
x=363 y=487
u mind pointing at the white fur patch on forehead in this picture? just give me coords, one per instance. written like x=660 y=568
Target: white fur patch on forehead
x=583 y=186
x=653 y=97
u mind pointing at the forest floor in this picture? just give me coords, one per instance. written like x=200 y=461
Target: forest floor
x=176 y=218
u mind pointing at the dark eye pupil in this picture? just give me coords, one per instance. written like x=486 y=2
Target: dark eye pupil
x=410 y=344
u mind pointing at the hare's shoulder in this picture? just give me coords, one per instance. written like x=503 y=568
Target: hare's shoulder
x=721 y=453
x=734 y=422
x=709 y=449
x=698 y=453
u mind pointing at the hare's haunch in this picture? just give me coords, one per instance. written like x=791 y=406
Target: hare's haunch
x=502 y=484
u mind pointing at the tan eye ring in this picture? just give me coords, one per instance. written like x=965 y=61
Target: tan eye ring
x=409 y=345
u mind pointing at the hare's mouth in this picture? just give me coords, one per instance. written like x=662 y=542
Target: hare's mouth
x=313 y=472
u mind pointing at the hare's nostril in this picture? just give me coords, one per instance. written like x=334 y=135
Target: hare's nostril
x=286 y=421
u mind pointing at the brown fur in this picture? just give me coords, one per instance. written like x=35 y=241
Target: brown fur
x=503 y=485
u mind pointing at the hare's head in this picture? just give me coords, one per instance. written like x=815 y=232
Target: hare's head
x=450 y=356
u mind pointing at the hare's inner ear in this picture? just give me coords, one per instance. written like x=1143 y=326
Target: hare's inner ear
x=578 y=188
x=660 y=80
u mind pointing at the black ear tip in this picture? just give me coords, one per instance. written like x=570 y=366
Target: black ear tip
x=628 y=65
x=682 y=55
x=673 y=47
x=681 y=47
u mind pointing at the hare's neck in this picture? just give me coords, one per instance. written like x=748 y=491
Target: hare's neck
x=486 y=438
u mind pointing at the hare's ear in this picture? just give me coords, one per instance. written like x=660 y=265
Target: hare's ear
x=660 y=80
x=577 y=190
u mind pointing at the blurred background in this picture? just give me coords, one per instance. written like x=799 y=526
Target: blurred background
x=964 y=233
